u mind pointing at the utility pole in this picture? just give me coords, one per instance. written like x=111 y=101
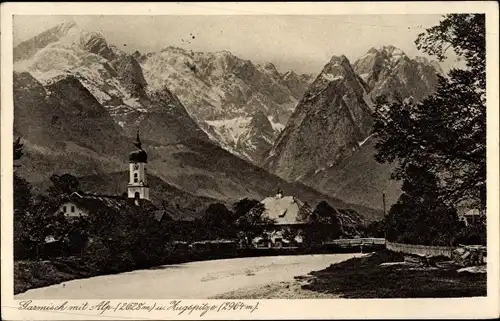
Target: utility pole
x=385 y=231
x=383 y=200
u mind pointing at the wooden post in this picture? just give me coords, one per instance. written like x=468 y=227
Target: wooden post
x=383 y=201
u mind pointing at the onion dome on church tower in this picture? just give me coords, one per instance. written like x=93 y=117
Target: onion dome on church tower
x=138 y=155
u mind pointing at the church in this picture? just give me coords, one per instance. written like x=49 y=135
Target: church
x=137 y=197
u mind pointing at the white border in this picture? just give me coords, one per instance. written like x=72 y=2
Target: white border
x=277 y=309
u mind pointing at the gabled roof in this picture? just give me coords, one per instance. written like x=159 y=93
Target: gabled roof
x=283 y=210
x=473 y=212
x=98 y=202
x=163 y=214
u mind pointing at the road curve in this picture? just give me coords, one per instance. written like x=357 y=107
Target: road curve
x=194 y=280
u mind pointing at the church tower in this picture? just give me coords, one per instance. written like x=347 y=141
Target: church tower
x=138 y=184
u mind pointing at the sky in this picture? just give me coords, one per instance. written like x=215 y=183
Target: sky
x=304 y=43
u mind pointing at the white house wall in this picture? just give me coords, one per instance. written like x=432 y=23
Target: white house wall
x=68 y=213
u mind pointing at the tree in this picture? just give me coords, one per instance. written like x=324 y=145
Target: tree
x=323 y=224
x=37 y=223
x=465 y=34
x=290 y=234
x=34 y=219
x=219 y=220
x=18 y=149
x=125 y=239
x=63 y=184
x=243 y=206
x=374 y=229
x=23 y=193
x=254 y=222
x=22 y=188
x=305 y=212
x=419 y=217
x=445 y=134
x=473 y=234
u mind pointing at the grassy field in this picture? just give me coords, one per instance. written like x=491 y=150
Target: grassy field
x=365 y=278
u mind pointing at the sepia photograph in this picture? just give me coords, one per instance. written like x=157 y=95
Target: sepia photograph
x=249 y=157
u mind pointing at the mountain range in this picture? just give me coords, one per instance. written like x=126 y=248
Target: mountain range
x=217 y=127
x=78 y=102
x=241 y=105
x=327 y=143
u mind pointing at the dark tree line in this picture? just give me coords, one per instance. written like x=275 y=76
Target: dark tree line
x=33 y=222
x=438 y=144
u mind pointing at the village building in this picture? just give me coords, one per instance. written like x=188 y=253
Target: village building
x=288 y=215
x=136 y=201
x=473 y=216
x=80 y=204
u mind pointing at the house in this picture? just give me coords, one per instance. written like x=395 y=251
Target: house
x=472 y=217
x=288 y=215
x=82 y=205
x=291 y=216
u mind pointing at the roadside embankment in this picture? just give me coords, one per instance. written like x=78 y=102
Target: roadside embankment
x=383 y=274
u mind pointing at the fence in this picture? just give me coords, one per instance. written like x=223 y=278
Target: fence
x=358 y=241
x=420 y=249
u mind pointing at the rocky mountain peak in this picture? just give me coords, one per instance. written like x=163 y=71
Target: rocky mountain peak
x=326 y=124
x=339 y=60
x=388 y=70
x=337 y=70
x=29 y=47
x=428 y=62
x=222 y=92
x=66 y=35
x=296 y=83
x=130 y=72
x=64 y=27
x=95 y=43
x=25 y=81
x=270 y=67
x=261 y=122
x=391 y=50
x=175 y=49
x=290 y=75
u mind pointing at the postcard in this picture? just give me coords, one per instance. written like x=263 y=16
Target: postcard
x=249 y=160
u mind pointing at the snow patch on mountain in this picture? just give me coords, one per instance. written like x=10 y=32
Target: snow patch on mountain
x=224 y=91
x=276 y=126
x=361 y=143
x=330 y=77
x=231 y=128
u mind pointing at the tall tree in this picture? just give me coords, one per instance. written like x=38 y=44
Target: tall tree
x=220 y=220
x=419 y=217
x=254 y=222
x=18 y=149
x=23 y=194
x=34 y=219
x=444 y=134
x=38 y=222
x=323 y=224
x=243 y=206
x=22 y=188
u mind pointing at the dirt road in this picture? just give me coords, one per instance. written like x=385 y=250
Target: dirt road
x=194 y=280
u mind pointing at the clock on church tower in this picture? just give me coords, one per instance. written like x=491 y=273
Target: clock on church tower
x=138 y=185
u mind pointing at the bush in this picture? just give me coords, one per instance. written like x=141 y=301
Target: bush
x=472 y=235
